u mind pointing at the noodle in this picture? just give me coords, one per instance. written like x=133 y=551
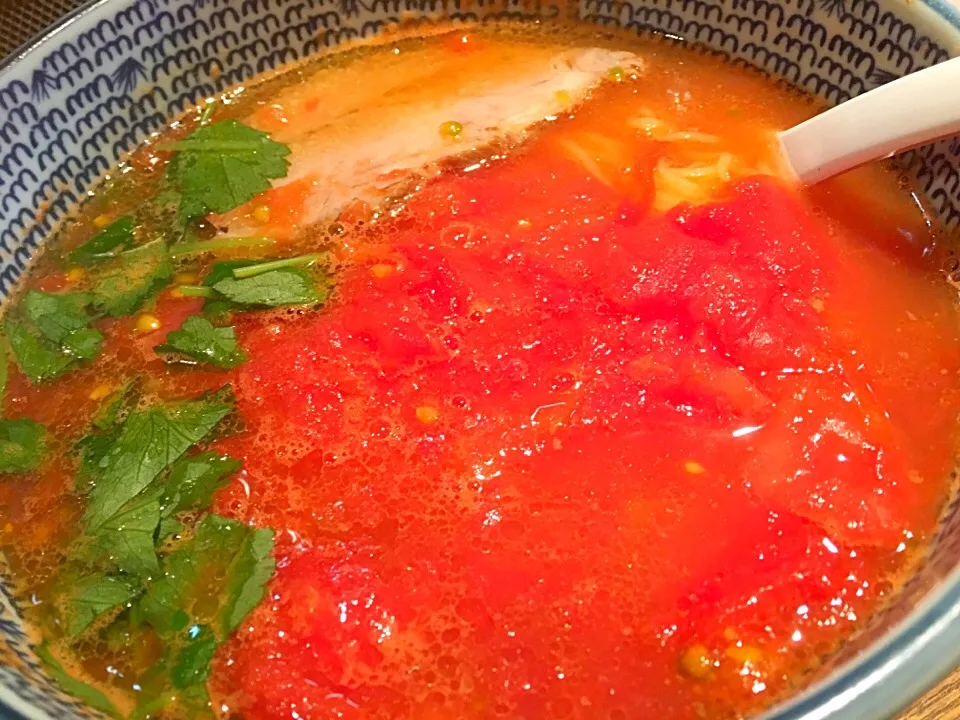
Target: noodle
x=723 y=166
x=691 y=173
x=689 y=170
x=694 y=183
x=581 y=155
x=659 y=130
x=685 y=174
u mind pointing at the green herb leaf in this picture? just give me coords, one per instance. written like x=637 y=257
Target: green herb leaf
x=151 y=706
x=219 y=547
x=216 y=306
x=62 y=320
x=127 y=538
x=107 y=423
x=223 y=165
x=199 y=339
x=277 y=288
x=116 y=405
x=36 y=356
x=93 y=449
x=21 y=445
x=251 y=571
x=79 y=689
x=163 y=210
x=131 y=278
x=194 y=479
x=55 y=335
x=106 y=243
x=56 y=316
x=178 y=683
x=192 y=666
x=83 y=344
x=168 y=526
x=224 y=269
x=149 y=442
x=93 y=596
x=4 y=366
x=190 y=486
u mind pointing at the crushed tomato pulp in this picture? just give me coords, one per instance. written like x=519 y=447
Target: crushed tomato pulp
x=551 y=455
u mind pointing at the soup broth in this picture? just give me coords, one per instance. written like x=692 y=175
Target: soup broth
x=505 y=378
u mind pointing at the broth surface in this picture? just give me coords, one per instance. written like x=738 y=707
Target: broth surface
x=601 y=420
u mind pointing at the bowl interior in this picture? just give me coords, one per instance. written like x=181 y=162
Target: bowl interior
x=74 y=103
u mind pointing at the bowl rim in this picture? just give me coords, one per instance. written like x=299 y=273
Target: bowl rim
x=23 y=51
x=915 y=655
x=881 y=681
x=949 y=10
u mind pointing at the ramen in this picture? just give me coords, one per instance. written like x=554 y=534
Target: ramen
x=495 y=373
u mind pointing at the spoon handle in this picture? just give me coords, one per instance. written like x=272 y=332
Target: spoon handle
x=907 y=112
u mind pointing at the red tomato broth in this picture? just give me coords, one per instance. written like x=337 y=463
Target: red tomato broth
x=551 y=453
x=509 y=464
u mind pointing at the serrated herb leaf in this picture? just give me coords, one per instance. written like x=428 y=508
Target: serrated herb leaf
x=168 y=526
x=149 y=442
x=116 y=404
x=93 y=596
x=83 y=344
x=224 y=269
x=21 y=445
x=277 y=288
x=37 y=357
x=56 y=316
x=217 y=307
x=163 y=210
x=221 y=166
x=132 y=277
x=93 y=449
x=190 y=486
x=200 y=340
x=219 y=547
x=105 y=244
x=54 y=335
x=179 y=680
x=192 y=665
x=194 y=479
x=251 y=571
x=127 y=538
x=79 y=689
x=220 y=310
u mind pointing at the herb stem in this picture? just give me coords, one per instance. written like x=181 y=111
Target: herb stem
x=208 y=112
x=259 y=269
x=196 y=291
x=212 y=146
x=4 y=365
x=211 y=246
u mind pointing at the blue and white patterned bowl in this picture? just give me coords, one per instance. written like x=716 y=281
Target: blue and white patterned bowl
x=74 y=102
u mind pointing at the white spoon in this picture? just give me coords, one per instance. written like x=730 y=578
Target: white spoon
x=907 y=112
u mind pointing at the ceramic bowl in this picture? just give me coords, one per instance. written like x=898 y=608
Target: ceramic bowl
x=75 y=101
